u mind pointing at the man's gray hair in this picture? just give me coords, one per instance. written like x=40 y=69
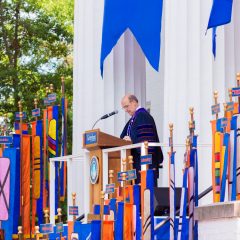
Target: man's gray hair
x=132 y=98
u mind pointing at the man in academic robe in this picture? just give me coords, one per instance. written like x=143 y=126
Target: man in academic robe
x=141 y=127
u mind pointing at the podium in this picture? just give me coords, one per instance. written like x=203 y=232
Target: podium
x=94 y=141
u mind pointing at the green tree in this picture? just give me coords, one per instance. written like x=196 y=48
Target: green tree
x=35 y=50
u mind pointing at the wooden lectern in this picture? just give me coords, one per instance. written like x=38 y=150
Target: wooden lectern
x=95 y=141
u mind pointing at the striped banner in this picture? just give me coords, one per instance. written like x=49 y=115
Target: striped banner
x=182 y=225
x=225 y=166
x=172 y=202
x=191 y=202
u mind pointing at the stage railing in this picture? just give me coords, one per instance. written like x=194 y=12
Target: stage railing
x=70 y=159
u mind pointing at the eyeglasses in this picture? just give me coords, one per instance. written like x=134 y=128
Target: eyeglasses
x=125 y=107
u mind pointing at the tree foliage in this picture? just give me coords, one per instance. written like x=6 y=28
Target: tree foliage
x=35 y=50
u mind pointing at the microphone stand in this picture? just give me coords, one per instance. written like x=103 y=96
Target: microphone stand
x=96 y=123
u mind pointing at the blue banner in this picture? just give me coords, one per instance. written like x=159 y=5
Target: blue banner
x=142 y=17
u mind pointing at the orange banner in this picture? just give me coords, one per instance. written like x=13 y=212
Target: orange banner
x=25 y=162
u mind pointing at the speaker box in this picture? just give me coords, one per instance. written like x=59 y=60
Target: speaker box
x=161 y=200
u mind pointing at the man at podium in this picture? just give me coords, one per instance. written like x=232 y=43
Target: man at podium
x=141 y=127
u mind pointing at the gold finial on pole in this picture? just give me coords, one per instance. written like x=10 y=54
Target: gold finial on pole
x=35 y=102
x=186 y=160
x=215 y=96
x=74 y=198
x=35 y=105
x=46 y=219
x=146 y=147
x=74 y=203
x=230 y=99
x=37 y=232
x=20 y=106
x=225 y=114
x=230 y=94
x=238 y=84
x=238 y=79
x=191 y=110
x=5 y=125
x=124 y=164
x=171 y=137
x=191 y=122
x=59 y=213
x=111 y=175
x=124 y=176
x=225 y=109
x=47 y=91
x=51 y=88
x=46 y=215
x=63 y=86
x=20 y=233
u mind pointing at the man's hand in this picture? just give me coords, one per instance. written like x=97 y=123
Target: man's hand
x=127 y=138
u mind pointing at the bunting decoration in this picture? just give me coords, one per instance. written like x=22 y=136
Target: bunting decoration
x=121 y=15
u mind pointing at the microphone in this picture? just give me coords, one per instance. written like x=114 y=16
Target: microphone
x=105 y=116
x=109 y=114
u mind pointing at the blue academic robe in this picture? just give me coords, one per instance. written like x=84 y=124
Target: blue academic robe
x=141 y=127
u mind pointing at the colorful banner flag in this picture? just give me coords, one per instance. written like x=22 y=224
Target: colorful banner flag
x=108 y=230
x=52 y=114
x=25 y=164
x=45 y=161
x=63 y=165
x=221 y=14
x=194 y=164
x=120 y=15
x=183 y=223
x=17 y=128
x=4 y=187
x=138 y=225
x=172 y=201
x=118 y=227
x=37 y=172
x=96 y=230
x=147 y=201
x=225 y=166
